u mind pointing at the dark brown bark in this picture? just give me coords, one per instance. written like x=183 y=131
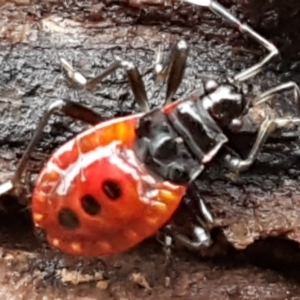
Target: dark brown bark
x=261 y=205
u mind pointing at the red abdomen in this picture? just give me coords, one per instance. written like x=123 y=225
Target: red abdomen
x=94 y=197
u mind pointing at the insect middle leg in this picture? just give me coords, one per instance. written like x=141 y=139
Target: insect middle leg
x=266 y=128
x=133 y=74
x=69 y=108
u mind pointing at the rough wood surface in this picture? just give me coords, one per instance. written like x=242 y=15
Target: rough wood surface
x=261 y=205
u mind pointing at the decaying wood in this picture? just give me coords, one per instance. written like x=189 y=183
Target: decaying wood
x=262 y=204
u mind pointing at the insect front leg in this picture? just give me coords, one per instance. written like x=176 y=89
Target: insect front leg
x=69 y=108
x=267 y=127
x=291 y=85
x=172 y=70
x=244 y=28
x=133 y=74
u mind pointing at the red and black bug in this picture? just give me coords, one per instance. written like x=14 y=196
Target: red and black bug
x=119 y=182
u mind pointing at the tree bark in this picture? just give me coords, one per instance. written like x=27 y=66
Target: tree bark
x=256 y=215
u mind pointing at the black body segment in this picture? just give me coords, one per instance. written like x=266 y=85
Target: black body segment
x=163 y=150
x=198 y=129
x=176 y=143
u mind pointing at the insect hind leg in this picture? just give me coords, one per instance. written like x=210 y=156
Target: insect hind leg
x=202 y=238
x=200 y=230
x=133 y=75
x=217 y=8
x=69 y=108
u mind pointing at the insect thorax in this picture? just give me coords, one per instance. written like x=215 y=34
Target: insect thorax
x=177 y=144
